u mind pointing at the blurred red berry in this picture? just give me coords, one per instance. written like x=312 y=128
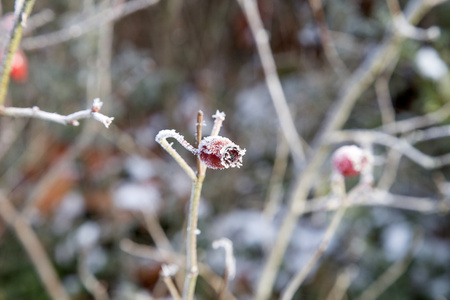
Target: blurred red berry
x=218 y=152
x=19 y=67
x=350 y=160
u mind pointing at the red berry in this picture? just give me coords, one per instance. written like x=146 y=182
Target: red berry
x=218 y=152
x=19 y=67
x=350 y=160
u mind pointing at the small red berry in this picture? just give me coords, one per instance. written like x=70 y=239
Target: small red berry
x=19 y=67
x=350 y=160
x=218 y=152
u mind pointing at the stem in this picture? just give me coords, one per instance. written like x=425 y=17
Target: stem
x=192 y=267
x=301 y=276
x=161 y=138
x=13 y=45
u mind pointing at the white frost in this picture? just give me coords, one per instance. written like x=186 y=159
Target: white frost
x=430 y=64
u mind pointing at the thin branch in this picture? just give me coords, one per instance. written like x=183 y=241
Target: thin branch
x=408 y=30
x=325 y=37
x=342 y=283
x=338 y=186
x=230 y=262
x=393 y=272
x=156 y=231
x=34 y=248
x=275 y=188
x=71 y=119
x=39 y=19
x=161 y=138
x=399 y=144
x=85 y=25
x=20 y=17
x=261 y=37
x=90 y=282
x=378 y=197
x=415 y=123
x=167 y=257
x=167 y=272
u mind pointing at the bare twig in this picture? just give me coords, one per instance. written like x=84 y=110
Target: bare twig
x=338 y=185
x=87 y=24
x=378 y=197
x=261 y=37
x=406 y=29
x=156 y=231
x=415 y=123
x=167 y=272
x=34 y=248
x=274 y=191
x=71 y=119
x=326 y=39
x=393 y=272
x=342 y=283
x=90 y=282
x=166 y=257
x=38 y=20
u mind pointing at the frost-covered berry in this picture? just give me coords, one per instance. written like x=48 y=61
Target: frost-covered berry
x=350 y=160
x=218 y=152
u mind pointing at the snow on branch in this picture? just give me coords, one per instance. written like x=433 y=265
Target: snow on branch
x=72 y=119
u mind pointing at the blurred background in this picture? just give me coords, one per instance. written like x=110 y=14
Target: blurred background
x=84 y=189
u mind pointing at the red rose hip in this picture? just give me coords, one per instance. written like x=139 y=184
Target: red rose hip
x=350 y=160
x=19 y=67
x=218 y=152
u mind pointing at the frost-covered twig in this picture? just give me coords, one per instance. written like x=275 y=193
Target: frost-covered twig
x=162 y=137
x=71 y=119
x=261 y=37
x=34 y=249
x=230 y=261
x=87 y=24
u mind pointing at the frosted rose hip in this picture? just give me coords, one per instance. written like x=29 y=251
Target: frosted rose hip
x=350 y=160
x=218 y=152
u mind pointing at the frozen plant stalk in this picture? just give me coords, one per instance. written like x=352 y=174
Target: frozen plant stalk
x=214 y=152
